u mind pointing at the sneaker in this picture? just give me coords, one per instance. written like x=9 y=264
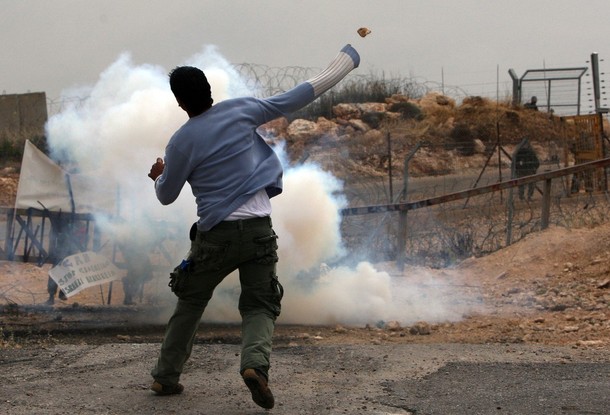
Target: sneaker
x=257 y=383
x=160 y=389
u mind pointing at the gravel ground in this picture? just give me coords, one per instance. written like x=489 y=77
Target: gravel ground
x=112 y=378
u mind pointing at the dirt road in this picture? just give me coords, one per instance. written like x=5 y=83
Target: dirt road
x=113 y=378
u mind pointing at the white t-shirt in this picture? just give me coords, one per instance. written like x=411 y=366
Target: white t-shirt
x=257 y=206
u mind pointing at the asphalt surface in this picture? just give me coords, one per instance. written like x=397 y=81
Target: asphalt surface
x=337 y=379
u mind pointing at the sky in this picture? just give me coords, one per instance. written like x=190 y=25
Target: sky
x=55 y=46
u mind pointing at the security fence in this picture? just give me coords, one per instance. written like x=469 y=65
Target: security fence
x=441 y=230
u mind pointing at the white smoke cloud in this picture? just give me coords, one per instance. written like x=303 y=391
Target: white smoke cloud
x=306 y=216
x=124 y=125
x=307 y=221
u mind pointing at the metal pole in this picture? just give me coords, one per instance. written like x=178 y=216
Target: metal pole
x=516 y=87
x=509 y=219
x=476 y=182
x=548 y=98
x=578 y=99
x=599 y=110
x=390 y=167
x=114 y=247
x=595 y=74
x=402 y=215
x=499 y=145
x=600 y=114
x=546 y=204
x=10 y=233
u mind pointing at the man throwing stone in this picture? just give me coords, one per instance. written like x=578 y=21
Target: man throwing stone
x=233 y=173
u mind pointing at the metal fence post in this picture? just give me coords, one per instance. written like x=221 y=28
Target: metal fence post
x=546 y=204
x=402 y=214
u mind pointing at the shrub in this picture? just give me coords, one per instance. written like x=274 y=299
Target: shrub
x=373 y=119
x=407 y=110
x=462 y=140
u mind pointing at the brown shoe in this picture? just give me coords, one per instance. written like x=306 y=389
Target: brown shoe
x=160 y=389
x=257 y=383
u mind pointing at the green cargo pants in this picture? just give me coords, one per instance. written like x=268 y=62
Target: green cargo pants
x=249 y=245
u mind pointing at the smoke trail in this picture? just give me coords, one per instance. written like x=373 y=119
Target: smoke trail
x=124 y=125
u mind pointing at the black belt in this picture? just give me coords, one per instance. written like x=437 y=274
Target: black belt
x=243 y=223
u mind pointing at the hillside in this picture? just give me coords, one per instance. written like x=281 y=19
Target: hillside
x=450 y=137
x=361 y=140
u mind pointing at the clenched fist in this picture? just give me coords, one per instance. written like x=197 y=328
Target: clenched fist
x=157 y=169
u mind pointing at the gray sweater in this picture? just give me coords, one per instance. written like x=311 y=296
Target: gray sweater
x=220 y=154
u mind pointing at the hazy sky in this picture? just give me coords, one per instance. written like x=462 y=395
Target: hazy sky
x=51 y=45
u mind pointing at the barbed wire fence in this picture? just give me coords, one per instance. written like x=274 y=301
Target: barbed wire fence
x=438 y=236
x=263 y=81
x=58 y=105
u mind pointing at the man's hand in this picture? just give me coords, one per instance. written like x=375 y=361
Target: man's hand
x=157 y=169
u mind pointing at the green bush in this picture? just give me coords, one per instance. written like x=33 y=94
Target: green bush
x=407 y=110
x=462 y=140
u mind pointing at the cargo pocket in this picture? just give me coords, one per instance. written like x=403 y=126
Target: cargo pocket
x=264 y=295
x=210 y=255
x=266 y=251
x=179 y=277
x=277 y=291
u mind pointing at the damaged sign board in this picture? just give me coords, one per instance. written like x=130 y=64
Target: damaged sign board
x=83 y=270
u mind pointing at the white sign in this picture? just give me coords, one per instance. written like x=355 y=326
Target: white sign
x=86 y=269
x=43 y=182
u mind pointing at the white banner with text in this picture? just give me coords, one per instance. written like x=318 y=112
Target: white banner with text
x=85 y=269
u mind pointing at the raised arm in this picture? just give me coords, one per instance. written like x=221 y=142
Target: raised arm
x=347 y=60
x=306 y=92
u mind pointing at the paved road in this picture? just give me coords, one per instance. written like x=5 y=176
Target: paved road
x=373 y=379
